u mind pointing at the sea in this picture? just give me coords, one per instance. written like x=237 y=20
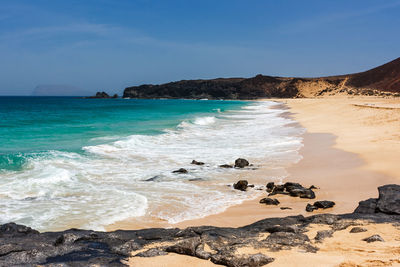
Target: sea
x=89 y=163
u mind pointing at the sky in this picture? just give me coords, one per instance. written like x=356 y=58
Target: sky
x=107 y=45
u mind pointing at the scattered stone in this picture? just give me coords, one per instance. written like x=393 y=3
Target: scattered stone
x=197 y=162
x=250 y=185
x=225 y=166
x=313 y=187
x=270 y=186
x=374 y=238
x=241 y=185
x=324 y=204
x=285 y=208
x=241 y=163
x=302 y=193
x=196 y=179
x=269 y=201
x=358 y=230
x=321 y=235
x=310 y=208
x=181 y=170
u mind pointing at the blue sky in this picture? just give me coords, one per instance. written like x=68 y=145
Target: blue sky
x=111 y=44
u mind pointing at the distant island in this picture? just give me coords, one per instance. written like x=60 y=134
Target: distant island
x=382 y=80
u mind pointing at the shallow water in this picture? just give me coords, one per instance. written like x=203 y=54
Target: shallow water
x=87 y=163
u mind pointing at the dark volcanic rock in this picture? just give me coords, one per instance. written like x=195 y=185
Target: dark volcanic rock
x=321 y=235
x=241 y=163
x=232 y=260
x=181 y=170
x=310 y=208
x=241 y=185
x=197 y=162
x=358 y=230
x=23 y=246
x=302 y=193
x=367 y=206
x=225 y=166
x=269 y=201
x=324 y=204
x=285 y=208
x=374 y=238
x=270 y=186
x=186 y=247
x=389 y=199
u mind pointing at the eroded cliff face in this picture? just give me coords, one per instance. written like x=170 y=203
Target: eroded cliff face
x=383 y=80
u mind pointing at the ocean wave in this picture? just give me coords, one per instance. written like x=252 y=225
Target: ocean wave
x=107 y=182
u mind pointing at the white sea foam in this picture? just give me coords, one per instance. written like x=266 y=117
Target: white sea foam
x=107 y=184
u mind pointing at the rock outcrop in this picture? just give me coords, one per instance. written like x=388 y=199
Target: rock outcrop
x=383 y=80
x=103 y=95
x=23 y=246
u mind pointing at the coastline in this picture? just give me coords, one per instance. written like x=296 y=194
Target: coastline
x=339 y=164
x=332 y=161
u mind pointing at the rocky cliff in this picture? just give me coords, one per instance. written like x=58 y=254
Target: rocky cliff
x=383 y=80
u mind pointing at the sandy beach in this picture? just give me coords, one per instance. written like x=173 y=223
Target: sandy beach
x=350 y=148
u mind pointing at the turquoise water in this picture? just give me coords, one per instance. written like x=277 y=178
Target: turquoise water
x=89 y=163
x=29 y=125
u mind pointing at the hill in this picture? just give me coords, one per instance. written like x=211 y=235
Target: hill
x=382 y=80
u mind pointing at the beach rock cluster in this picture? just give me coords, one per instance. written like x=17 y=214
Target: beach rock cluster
x=23 y=246
x=292 y=189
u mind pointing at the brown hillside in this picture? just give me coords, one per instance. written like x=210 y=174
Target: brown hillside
x=384 y=78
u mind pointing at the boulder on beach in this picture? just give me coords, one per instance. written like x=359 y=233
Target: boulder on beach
x=225 y=166
x=324 y=204
x=241 y=185
x=241 y=163
x=195 y=162
x=388 y=201
x=181 y=170
x=269 y=201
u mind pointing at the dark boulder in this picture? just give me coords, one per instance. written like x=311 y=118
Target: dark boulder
x=241 y=163
x=310 y=208
x=270 y=186
x=269 y=201
x=197 y=162
x=374 y=238
x=358 y=230
x=367 y=206
x=241 y=185
x=389 y=199
x=324 y=204
x=302 y=193
x=285 y=208
x=225 y=166
x=321 y=235
x=181 y=170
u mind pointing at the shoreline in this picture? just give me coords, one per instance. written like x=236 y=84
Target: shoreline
x=336 y=169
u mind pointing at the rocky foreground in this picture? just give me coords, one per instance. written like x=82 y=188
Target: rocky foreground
x=21 y=245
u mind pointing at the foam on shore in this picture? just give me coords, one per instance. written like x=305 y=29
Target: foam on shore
x=132 y=177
